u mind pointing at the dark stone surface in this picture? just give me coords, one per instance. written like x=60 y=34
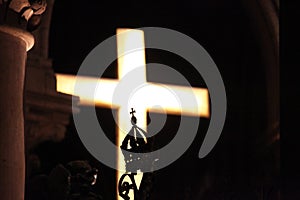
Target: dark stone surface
x=12 y=156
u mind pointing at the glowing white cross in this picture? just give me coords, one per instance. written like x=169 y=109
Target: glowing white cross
x=131 y=52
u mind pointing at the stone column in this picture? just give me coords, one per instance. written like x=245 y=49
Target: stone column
x=16 y=17
x=14 y=44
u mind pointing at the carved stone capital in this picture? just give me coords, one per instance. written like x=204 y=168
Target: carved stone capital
x=24 y=14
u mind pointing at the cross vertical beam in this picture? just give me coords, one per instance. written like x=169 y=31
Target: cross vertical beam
x=132 y=63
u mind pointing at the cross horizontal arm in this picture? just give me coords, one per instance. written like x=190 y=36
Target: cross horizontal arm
x=180 y=100
x=155 y=97
x=101 y=96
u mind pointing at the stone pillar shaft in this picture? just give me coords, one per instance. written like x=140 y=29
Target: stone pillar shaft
x=13 y=46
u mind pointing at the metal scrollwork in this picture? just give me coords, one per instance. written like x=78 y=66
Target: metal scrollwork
x=124 y=187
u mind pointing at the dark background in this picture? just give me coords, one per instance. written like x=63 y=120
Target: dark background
x=241 y=165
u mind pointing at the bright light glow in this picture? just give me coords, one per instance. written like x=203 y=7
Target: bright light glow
x=131 y=52
x=102 y=97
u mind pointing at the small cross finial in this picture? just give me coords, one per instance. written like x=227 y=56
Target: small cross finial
x=132 y=112
x=133 y=118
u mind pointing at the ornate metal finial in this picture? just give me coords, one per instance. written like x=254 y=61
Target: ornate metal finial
x=133 y=118
x=134 y=144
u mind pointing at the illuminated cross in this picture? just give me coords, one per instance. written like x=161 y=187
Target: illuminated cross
x=131 y=55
